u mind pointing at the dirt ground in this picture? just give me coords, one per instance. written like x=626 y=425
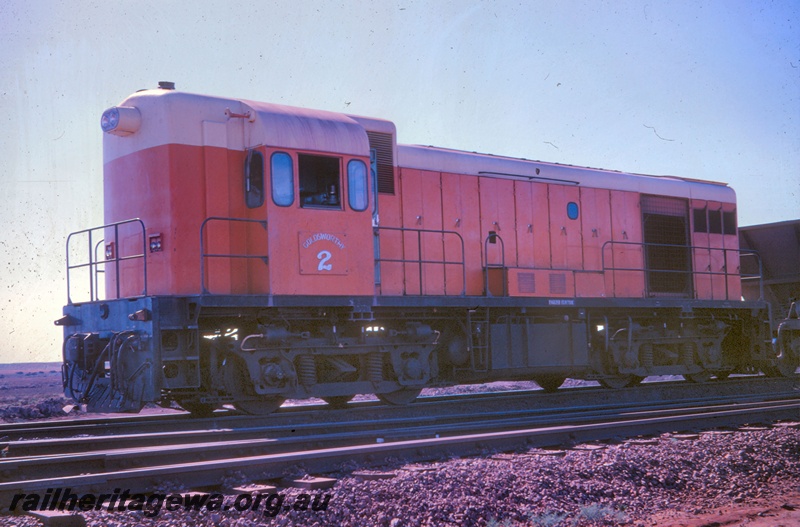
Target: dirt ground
x=33 y=391
x=781 y=512
x=30 y=391
x=30 y=380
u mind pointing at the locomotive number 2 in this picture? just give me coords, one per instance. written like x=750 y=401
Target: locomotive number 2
x=323 y=257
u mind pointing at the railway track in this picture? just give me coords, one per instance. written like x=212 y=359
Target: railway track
x=433 y=428
x=565 y=400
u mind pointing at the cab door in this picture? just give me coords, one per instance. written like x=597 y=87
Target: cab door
x=320 y=224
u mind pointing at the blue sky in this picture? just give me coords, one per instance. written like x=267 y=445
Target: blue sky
x=709 y=90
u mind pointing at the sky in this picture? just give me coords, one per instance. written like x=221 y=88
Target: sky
x=699 y=89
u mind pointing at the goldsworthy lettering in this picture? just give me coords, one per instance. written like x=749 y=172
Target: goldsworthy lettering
x=320 y=236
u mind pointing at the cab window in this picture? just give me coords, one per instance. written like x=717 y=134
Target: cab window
x=254 y=179
x=715 y=221
x=729 y=222
x=320 y=181
x=282 y=179
x=700 y=220
x=357 y=193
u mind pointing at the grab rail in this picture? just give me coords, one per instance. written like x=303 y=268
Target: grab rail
x=420 y=263
x=690 y=271
x=94 y=263
x=492 y=238
x=204 y=255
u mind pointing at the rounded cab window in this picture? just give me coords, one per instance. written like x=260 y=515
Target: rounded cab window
x=357 y=185
x=282 y=179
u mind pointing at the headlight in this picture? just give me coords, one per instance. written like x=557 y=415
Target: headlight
x=121 y=120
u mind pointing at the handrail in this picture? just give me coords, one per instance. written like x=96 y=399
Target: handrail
x=420 y=262
x=204 y=255
x=690 y=272
x=98 y=271
x=492 y=237
x=94 y=260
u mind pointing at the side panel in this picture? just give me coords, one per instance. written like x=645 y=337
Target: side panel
x=422 y=213
x=524 y=206
x=565 y=232
x=627 y=255
x=391 y=244
x=497 y=215
x=732 y=264
x=159 y=185
x=461 y=213
x=701 y=262
x=541 y=226
x=595 y=216
x=545 y=346
x=716 y=244
x=220 y=237
x=715 y=236
x=533 y=225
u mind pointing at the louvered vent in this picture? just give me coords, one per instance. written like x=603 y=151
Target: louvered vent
x=526 y=282
x=558 y=283
x=382 y=144
x=664 y=206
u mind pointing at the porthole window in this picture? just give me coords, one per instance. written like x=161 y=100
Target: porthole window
x=254 y=179
x=572 y=210
x=282 y=179
x=357 y=185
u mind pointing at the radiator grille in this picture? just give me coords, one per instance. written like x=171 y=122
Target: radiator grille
x=382 y=144
x=664 y=206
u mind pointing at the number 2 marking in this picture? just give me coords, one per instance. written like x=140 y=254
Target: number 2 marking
x=323 y=257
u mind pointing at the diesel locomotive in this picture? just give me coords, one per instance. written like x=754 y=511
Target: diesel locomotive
x=253 y=253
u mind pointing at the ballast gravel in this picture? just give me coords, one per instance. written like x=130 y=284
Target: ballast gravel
x=637 y=482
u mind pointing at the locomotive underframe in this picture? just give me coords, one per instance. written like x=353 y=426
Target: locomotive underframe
x=255 y=352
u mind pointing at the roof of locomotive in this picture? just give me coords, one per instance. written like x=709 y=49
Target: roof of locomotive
x=175 y=117
x=461 y=162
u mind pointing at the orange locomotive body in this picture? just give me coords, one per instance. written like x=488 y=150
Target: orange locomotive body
x=254 y=252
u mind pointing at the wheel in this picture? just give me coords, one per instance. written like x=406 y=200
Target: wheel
x=338 y=401
x=550 y=383
x=263 y=406
x=722 y=375
x=198 y=409
x=789 y=359
x=400 y=397
x=699 y=378
x=618 y=382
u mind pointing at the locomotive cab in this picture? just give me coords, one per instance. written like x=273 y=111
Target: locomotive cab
x=239 y=198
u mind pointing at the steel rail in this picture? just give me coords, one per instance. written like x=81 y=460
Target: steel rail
x=315 y=422
x=569 y=398
x=146 y=454
x=321 y=460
